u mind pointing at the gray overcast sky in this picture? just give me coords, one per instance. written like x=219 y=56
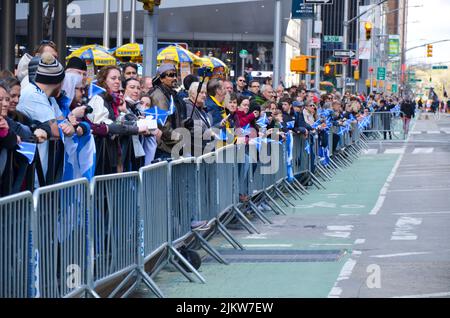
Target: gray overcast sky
x=433 y=25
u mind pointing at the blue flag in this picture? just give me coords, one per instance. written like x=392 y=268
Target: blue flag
x=95 y=90
x=159 y=114
x=307 y=147
x=64 y=104
x=79 y=157
x=28 y=150
x=262 y=121
x=290 y=124
x=246 y=130
x=289 y=151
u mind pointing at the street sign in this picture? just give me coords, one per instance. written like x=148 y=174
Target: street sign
x=394 y=45
x=394 y=88
x=314 y=43
x=318 y=1
x=333 y=39
x=439 y=67
x=349 y=82
x=343 y=53
x=301 y=10
x=243 y=54
x=381 y=73
x=355 y=62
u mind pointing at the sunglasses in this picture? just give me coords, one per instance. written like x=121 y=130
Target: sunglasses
x=44 y=42
x=171 y=75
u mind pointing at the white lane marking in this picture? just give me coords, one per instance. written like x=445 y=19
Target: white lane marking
x=261 y=236
x=434 y=132
x=337 y=234
x=422 y=175
x=420 y=190
x=371 y=151
x=422 y=213
x=259 y=245
x=349 y=215
x=415 y=132
x=360 y=241
x=345 y=273
x=444 y=294
x=400 y=254
x=341 y=231
x=403 y=229
x=395 y=151
x=422 y=150
x=378 y=205
x=356 y=253
x=340 y=227
x=332 y=244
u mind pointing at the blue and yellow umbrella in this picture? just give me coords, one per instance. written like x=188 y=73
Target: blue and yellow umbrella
x=96 y=53
x=176 y=54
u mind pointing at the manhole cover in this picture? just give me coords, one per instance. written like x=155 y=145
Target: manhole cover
x=279 y=256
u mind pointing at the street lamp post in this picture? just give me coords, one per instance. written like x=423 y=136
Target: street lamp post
x=106 y=23
x=9 y=39
x=277 y=44
x=345 y=44
x=133 y=22
x=119 y=23
x=318 y=33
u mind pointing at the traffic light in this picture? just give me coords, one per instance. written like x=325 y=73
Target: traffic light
x=329 y=69
x=368 y=27
x=149 y=5
x=299 y=64
x=429 y=50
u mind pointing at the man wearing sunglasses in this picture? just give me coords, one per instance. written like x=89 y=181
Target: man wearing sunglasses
x=164 y=90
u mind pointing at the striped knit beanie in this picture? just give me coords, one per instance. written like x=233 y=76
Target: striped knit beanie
x=49 y=71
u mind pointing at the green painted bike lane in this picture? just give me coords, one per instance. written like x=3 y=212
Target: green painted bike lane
x=351 y=192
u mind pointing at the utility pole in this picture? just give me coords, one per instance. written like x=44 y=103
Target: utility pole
x=35 y=20
x=150 y=41
x=106 y=33
x=345 y=40
x=309 y=30
x=276 y=45
x=119 y=23
x=8 y=25
x=133 y=22
x=318 y=32
x=60 y=28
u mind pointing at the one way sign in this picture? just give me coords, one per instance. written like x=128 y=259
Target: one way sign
x=343 y=53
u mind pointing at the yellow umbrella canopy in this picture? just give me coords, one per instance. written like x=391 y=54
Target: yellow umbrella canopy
x=96 y=53
x=176 y=54
x=129 y=50
x=211 y=62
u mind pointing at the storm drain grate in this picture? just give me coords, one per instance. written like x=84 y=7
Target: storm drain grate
x=279 y=256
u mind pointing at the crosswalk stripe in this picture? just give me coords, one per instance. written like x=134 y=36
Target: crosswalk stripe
x=434 y=132
x=415 y=132
x=422 y=150
x=395 y=151
x=371 y=151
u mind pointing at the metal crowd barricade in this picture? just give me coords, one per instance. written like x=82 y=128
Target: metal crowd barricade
x=183 y=208
x=114 y=229
x=155 y=207
x=16 y=245
x=385 y=125
x=61 y=238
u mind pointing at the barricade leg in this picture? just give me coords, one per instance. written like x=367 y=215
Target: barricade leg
x=316 y=181
x=176 y=254
x=258 y=213
x=223 y=230
x=282 y=197
x=245 y=222
x=272 y=201
x=289 y=188
x=209 y=249
x=299 y=185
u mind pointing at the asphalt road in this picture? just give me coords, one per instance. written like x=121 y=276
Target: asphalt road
x=380 y=229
